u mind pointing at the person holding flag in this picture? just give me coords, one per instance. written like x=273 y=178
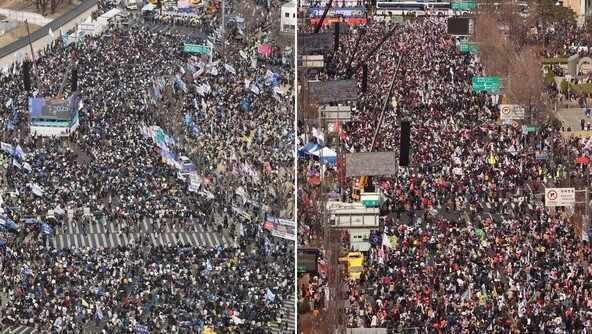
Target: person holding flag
x=45 y=228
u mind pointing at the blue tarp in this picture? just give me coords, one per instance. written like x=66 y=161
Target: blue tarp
x=309 y=148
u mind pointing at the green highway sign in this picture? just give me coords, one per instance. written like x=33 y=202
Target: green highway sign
x=467 y=47
x=464 y=5
x=485 y=84
x=528 y=128
x=194 y=48
x=371 y=203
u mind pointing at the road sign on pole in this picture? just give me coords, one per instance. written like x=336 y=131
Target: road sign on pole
x=560 y=196
x=485 y=84
x=511 y=111
x=466 y=46
x=464 y=5
x=194 y=48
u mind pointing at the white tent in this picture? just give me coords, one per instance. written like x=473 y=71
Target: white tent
x=326 y=155
x=149 y=7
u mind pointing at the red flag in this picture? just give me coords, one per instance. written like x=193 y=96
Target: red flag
x=336 y=126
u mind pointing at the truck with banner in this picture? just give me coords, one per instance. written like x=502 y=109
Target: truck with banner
x=281 y=228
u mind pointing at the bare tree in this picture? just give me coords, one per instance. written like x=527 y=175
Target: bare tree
x=254 y=17
x=511 y=58
x=41 y=6
x=55 y=4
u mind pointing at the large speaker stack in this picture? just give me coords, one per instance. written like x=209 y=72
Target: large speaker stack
x=74 y=81
x=27 y=75
x=405 y=143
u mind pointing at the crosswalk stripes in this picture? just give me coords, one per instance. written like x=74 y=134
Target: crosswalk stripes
x=289 y=317
x=20 y=330
x=98 y=235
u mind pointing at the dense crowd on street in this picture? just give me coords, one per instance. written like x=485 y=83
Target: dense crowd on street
x=231 y=115
x=455 y=269
x=172 y=289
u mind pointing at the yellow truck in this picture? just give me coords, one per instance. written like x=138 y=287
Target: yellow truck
x=355 y=264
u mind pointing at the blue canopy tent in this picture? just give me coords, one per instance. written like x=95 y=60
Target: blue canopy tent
x=309 y=148
x=324 y=154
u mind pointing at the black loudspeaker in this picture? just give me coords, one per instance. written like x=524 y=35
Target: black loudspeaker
x=369 y=186
x=26 y=76
x=336 y=25
x=74 y=81
x=405 y=143
x=364 y=78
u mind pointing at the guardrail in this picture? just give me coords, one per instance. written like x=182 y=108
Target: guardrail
x=17 y=15
x=39 y=37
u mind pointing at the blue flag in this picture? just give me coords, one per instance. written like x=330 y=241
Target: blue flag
x=99 y=312
x=269 y=295
x=187 y=118
x=245 y=105
x=46 y=229
x=26 y=270
x=66 y=39
x=181 y=83
x=140 y=329
x=196 y=130
x=11 y=224
x=208 y=269
x=266 y=245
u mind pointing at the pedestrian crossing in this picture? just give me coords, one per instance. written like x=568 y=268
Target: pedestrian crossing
x=20 y=330
x=289 y=317
x=486 y=205
x=96 y=235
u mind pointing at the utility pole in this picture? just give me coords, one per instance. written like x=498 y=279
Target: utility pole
x=386 y=101
x=320 y=23
x=33 y=57
x=223 y=30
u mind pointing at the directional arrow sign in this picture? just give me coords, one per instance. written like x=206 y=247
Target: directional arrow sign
x=463 y=5
x=485 y=84
x=194 y=48
x=467 y=48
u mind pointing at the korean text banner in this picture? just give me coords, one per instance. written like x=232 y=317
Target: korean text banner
x=346 y=12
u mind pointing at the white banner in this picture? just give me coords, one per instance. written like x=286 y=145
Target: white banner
x=193 y=187
x=286 y=222
x=283 y=235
